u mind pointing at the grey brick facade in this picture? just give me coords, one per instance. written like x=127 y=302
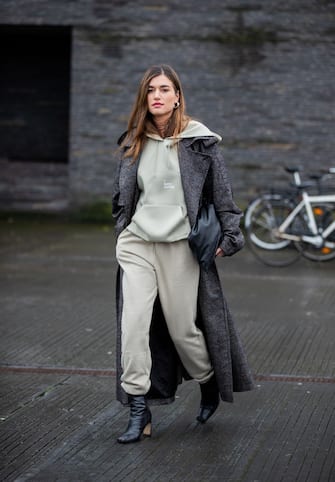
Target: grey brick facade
x=260 y=73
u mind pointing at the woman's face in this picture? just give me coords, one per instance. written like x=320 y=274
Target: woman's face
x=161 y=97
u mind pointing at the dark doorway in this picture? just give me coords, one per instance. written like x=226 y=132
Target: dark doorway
x=34 y=93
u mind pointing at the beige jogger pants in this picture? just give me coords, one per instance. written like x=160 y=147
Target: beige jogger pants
x=171 y=270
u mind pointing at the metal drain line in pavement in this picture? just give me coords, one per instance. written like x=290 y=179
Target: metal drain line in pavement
x=100 y=372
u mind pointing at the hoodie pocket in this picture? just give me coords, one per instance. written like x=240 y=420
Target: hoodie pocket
x=159 y=222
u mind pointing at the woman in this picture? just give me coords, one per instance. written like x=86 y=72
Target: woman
x=173 y=321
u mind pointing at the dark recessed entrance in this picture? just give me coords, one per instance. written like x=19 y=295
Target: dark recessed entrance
x=34 y=93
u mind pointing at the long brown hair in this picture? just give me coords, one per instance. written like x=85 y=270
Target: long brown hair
x=141 y=121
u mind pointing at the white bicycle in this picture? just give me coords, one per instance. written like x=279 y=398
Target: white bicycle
x=280 y=228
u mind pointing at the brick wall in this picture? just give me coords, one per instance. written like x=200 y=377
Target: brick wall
x=259 y=73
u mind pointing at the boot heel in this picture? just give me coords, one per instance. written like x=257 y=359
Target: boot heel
x=147 y=430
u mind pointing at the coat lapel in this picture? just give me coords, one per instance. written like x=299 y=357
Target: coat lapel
x=194 y=166
x=128 y=186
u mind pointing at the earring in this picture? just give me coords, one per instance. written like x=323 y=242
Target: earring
x=176 y=105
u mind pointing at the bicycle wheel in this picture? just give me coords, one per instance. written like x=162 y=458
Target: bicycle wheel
x=262 y=223
x=262 y=217
x=324 y=215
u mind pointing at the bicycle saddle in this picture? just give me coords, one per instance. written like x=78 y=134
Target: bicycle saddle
x=291 y=170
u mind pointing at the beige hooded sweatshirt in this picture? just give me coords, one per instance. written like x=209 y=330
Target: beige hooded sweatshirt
x=161 y=214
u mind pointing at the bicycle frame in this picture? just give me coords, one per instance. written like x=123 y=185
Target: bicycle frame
x=307 y=202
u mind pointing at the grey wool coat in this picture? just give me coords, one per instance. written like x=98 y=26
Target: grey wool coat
x=203 y=172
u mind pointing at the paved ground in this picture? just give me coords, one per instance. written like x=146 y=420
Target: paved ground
x=59 y=417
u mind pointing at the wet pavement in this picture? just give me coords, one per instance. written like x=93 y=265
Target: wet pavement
x=59 y=416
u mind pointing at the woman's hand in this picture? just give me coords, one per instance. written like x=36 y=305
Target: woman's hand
x=219 y=252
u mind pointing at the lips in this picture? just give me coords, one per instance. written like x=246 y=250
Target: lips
x=157 y=104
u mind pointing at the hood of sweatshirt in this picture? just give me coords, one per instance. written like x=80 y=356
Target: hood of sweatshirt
x=192 y=130
x=197 y=129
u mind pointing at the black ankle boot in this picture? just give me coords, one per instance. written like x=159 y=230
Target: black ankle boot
x=209 y=399
x=139 y=422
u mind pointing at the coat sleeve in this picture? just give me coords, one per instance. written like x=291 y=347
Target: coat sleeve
x=228 y=212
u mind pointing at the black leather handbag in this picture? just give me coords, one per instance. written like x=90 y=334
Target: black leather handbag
x=205 y=235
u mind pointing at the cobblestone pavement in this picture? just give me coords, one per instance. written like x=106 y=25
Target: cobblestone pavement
x=59 y=416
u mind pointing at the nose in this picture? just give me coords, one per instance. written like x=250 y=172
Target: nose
x=156 y=94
